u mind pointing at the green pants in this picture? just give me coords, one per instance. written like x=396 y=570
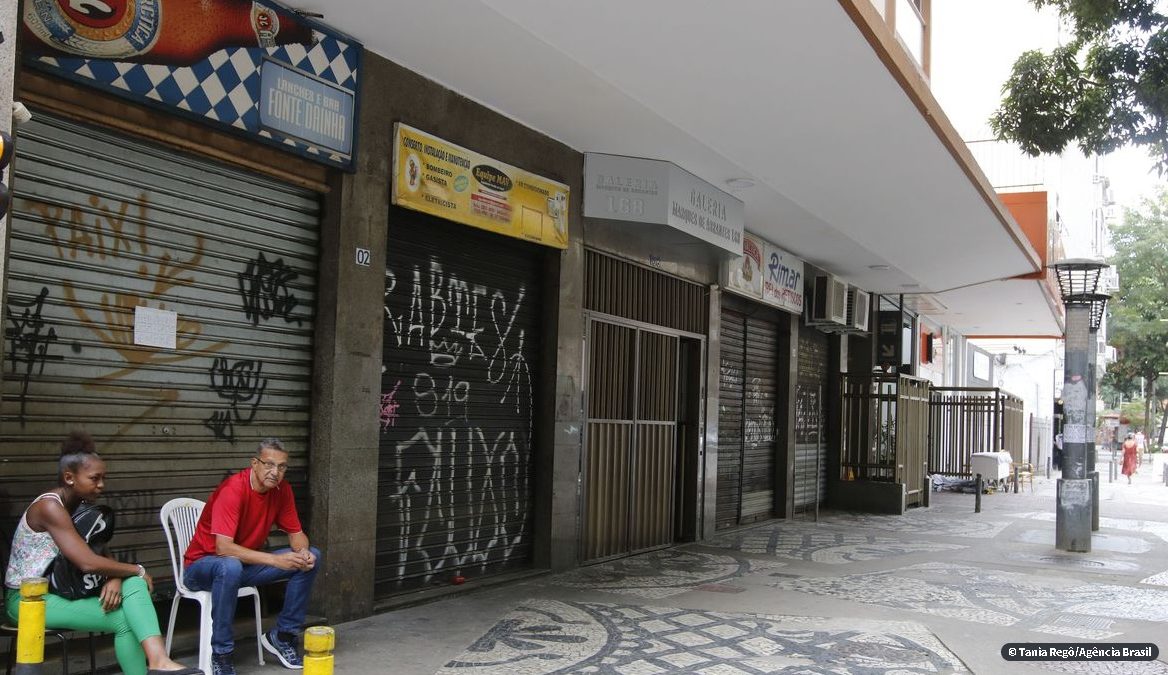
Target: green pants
x=131 y=623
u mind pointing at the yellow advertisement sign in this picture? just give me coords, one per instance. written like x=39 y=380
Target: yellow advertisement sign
x=451 y=182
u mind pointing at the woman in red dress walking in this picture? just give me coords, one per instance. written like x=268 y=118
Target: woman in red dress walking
x=1131 y=456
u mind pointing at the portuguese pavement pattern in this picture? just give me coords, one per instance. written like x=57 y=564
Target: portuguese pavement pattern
x=547 y=636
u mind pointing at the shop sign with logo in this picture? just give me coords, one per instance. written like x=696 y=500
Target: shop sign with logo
x=765 y=273
x=653 y=191
x=446 y=180
x=248 y=66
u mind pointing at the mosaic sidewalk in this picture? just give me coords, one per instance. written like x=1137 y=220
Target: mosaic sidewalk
x=544 y=636
x=661 y=574
x=822 y=545
x=994 y=598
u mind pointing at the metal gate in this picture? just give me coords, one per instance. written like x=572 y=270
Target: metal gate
x=459 y=371
x=965 y=420
x=746 y=420
x=643 y=330
x=162 y=302
x=810 y=443
x=631 y=440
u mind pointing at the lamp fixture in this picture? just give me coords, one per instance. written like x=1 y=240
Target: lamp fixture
x=880 y=268
x=740 y=183
x=1078 y=276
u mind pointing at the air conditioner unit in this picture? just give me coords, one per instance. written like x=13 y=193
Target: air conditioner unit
x=829 y=301
x=858 y=304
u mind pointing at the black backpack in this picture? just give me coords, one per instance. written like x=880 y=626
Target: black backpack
x=95 y=523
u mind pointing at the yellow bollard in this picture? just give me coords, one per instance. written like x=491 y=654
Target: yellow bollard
x=319 y=642
x=30 y=636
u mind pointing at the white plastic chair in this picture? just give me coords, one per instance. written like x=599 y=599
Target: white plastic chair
x=179 y=518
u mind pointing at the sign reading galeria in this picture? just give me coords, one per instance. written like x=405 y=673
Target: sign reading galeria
x=653 y=191
x=766 y=273
x=451 y=182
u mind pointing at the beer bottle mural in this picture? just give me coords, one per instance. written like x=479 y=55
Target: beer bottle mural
x=168 y=32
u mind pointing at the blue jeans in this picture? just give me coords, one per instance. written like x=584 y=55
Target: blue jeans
x=224 y=577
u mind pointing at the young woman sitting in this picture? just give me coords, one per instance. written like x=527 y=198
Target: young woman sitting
x=123 y=606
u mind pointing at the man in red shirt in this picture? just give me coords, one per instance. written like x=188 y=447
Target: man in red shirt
x=225 y=554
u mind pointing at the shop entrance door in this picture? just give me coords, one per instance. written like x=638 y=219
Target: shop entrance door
x=633 y=445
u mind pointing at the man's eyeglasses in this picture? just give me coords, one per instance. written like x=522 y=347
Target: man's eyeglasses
x=272 y=466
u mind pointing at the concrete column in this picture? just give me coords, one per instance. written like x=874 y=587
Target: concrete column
x=347 y=372
x=708 y=495
x=1073 y=510
x=558 y=487
x=1092 y=472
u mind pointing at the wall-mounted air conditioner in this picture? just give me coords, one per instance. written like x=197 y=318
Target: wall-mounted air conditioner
x=858 y=305
x=829 y=301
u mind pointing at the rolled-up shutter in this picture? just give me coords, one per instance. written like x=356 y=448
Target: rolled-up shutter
x=112 y=238
x=459 y=376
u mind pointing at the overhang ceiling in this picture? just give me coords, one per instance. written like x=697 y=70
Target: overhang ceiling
x=796 y=95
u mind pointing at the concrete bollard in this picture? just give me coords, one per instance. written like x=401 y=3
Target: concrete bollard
x=979 y=486
x=30 y=632
x=1048 y=468
x=1015 y=480
x=319 y=642
x=1166 y=473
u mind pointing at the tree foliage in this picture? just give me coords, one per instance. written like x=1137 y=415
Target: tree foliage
x=1135 y=328
x=1104 y=89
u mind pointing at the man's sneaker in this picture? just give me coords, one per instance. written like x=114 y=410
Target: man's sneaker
x=281 y=644
x=221 y=664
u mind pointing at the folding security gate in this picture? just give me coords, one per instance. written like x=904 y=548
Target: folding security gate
x=631 y=437
x=746 y=420
x=459 y=377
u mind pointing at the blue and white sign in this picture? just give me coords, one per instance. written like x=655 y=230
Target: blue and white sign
x=299 y=105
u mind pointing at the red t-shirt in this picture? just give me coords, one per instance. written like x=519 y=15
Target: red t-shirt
x=236 y=510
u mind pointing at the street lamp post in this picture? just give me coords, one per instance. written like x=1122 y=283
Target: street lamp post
x=1078 y=281
x=1098 y=306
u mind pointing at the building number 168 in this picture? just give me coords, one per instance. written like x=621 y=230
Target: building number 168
x=626 y=206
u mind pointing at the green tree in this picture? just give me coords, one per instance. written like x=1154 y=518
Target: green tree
x=1135 y=327
x=1104 y=89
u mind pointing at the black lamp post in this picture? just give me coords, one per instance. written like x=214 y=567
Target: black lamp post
x=1078 y=281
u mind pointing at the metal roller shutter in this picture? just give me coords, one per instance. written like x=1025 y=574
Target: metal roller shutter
x=462 y=312
x=732 y=369
x=758 y=448
x=810 y=442
x=746 y=420
x=102 y=224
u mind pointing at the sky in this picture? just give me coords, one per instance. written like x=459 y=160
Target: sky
x=975 y=42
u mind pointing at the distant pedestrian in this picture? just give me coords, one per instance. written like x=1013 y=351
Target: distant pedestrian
x=1131 y=456
x=1058 y=452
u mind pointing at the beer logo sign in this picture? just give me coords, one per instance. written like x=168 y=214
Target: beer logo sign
x=103 y=29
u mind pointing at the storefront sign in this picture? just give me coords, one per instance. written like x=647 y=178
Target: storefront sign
x=302 y=106
x=451 y=182
x=211 y=62
x=766 y=273
x=653 y=191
